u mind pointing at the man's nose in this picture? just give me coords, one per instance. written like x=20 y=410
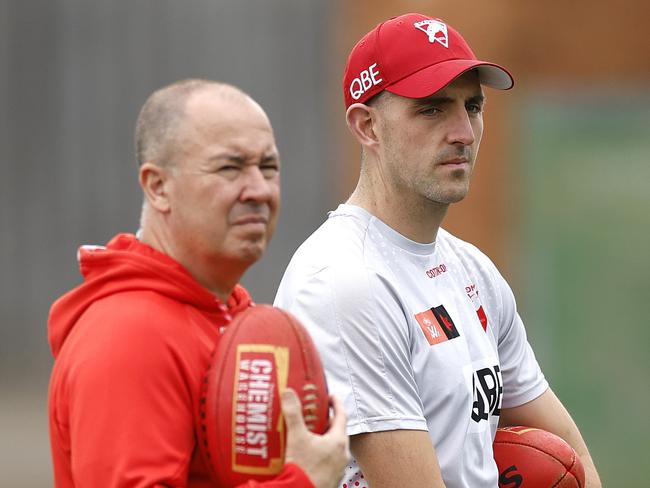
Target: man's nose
x=461 y=130
x=257 y=186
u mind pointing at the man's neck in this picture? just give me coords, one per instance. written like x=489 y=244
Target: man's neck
x=418 y=222
x=218 y=278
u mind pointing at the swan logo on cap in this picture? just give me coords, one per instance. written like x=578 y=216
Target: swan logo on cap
x=436 y=30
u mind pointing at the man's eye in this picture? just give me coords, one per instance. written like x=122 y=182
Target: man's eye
x=474 y=108
x=430 y=111
x=269 y=170
x=228 y=170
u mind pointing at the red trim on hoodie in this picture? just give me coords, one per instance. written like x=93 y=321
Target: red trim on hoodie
x=131 y=345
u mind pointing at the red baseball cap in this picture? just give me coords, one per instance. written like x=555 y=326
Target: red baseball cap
x=413 y=56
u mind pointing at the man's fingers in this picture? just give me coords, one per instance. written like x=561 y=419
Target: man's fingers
x=339 y=420
x=292 y=410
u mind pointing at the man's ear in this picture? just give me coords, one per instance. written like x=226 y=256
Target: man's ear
x=154 y=181
x=362 y=122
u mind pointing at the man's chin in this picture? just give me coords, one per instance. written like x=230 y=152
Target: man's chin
x=252 y=251
x=457 y=197
x=448 y=197
x=456 y=193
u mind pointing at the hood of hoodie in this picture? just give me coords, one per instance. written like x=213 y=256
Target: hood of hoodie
x=126 y=264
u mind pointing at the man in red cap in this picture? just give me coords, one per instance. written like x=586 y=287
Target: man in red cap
x=419 y=333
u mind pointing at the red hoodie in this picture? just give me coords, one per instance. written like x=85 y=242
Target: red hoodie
x=131 y=345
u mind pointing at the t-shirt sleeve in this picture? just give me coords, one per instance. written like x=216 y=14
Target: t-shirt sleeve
x=523 y=379
x=361 y=332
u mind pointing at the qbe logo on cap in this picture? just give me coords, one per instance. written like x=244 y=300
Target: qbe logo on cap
x=367 y=79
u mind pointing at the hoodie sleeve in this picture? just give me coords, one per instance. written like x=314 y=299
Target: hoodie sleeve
x=122 y=395
x=292 y=476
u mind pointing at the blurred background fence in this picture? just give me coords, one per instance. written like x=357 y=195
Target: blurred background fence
x=560 y=200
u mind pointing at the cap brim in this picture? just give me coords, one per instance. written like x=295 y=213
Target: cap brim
x=429 y=80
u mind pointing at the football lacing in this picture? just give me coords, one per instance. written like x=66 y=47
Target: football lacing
x=310 y=405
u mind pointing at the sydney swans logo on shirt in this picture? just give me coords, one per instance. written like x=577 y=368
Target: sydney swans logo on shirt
x=435 y=30
x=437 y=325
x=472 y=294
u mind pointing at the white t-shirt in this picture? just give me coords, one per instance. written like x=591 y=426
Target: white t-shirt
x=413 y=336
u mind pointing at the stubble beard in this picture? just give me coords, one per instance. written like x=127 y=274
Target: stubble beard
x=446 y=193
x=430 y=188
x=452 y=187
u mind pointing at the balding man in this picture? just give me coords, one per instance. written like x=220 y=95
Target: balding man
x=132 y=342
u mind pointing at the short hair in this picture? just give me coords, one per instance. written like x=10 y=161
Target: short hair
x=377 y=100
x=157 y=127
